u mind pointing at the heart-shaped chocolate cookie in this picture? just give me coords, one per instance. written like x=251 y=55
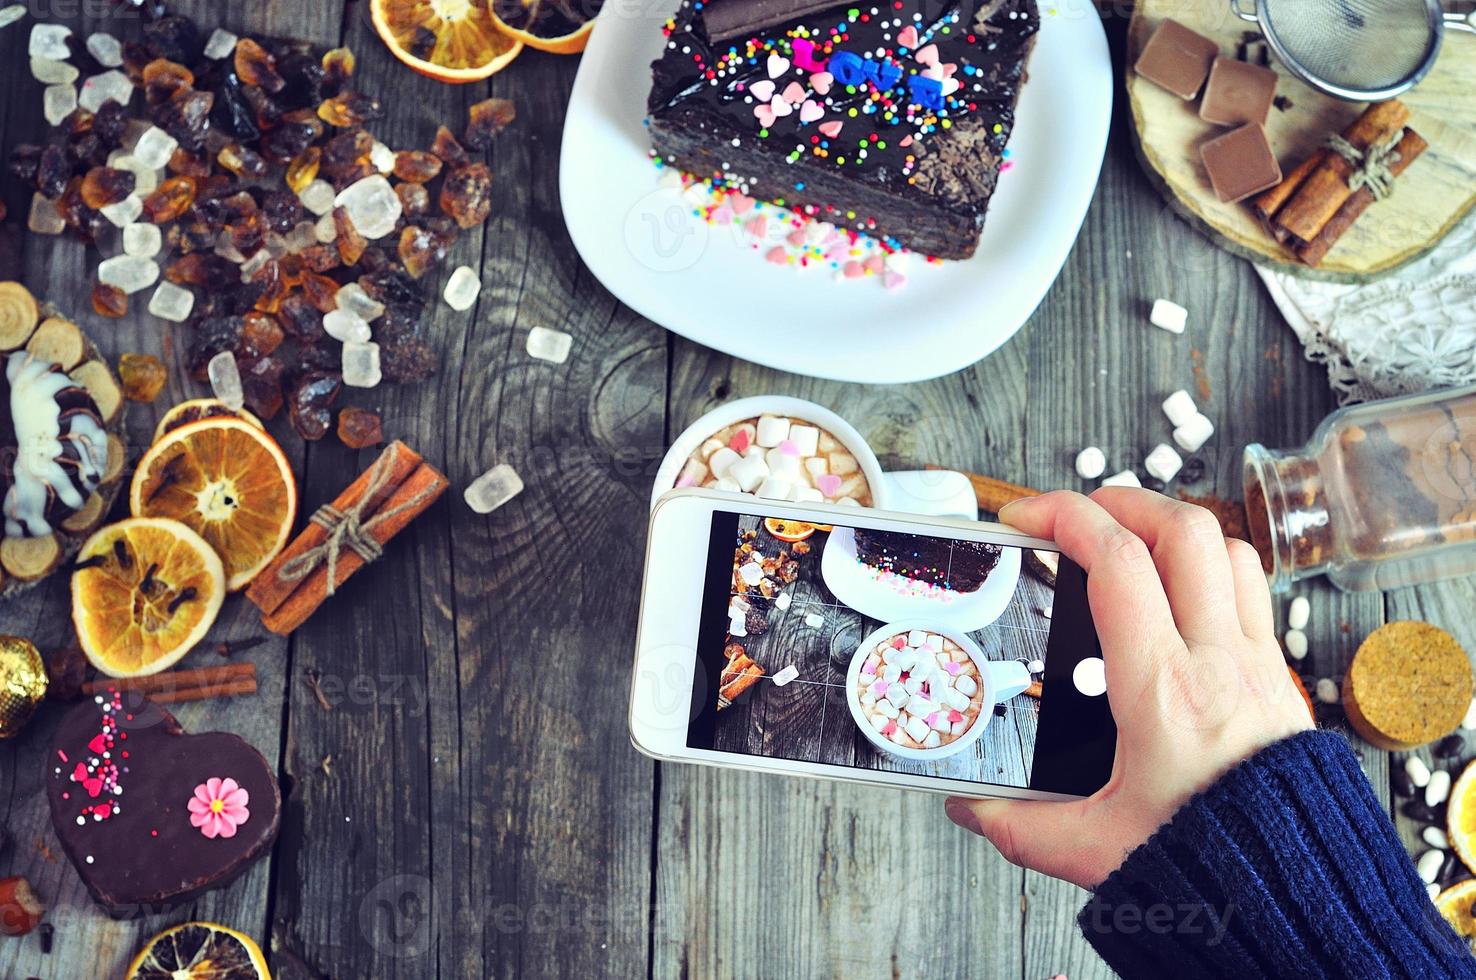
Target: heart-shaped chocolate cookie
x=152 y=816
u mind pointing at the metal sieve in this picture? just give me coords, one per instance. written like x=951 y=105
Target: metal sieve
x=1358 y=50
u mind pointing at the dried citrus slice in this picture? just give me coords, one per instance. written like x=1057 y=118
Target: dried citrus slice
x=788 y=530
x=449 y=40
x=144 y=593
x=200 y=408
x=1455 y=905
x=1460 y=816
x=229 y=481
x=557 y=26
x=199 y=951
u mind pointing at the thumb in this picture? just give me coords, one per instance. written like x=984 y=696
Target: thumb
x=1041 y=836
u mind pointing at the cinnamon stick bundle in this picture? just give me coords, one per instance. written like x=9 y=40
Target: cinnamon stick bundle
x=381 y=503
x=1410 y=146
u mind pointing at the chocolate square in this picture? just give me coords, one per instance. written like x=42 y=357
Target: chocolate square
x=1177 y=59
x=1240 y=163
x=1237 y=93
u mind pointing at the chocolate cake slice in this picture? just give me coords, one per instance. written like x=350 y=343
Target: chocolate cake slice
x=890 y=120
x=958 y=565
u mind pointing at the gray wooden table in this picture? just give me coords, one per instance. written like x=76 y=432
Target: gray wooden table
x=470 y=805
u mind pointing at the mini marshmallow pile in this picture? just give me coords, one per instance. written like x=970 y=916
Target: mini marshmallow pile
x=920 y=690
x=780 y=459
x=1192 y=429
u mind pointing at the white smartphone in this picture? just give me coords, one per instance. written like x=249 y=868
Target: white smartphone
x=846 y=643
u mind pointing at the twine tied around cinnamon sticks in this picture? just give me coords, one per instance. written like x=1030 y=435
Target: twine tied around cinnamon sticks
x=346 y=527
x=1371 y=167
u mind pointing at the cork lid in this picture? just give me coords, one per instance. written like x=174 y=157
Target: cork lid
x=1410 y=683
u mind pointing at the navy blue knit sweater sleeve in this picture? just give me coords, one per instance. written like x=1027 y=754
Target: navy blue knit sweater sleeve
x=1287 y=866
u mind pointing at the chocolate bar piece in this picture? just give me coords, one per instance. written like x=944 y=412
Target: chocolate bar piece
x=1177 y=59
x=1240 y=163
x=729 y=18
x=1237 y=93
x=891 y=124
x=151 y=816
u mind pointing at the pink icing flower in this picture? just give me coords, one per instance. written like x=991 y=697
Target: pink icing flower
x=219 y=807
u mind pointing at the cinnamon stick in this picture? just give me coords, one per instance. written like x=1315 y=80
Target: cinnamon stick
x=1267 y=203
x=182 y=685
x=418 y=492
x=1410 y=146
x=1325 y=189
x=993 y=494
x=243 y=685
x=269 y=590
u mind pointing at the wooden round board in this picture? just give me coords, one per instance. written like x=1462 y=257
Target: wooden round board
x=1429 y=198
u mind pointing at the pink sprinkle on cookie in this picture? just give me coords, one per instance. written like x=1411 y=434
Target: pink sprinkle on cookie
x=831 y=129
x=762 y=90
x=721 y=215
x=821 y=82
x=854 y=270
x=796 y=238
x=907 y=37
x=794 y=93
x=741 y=203
x=777 y=255
x=927 y=55
x=757 y=226
x=811 y=111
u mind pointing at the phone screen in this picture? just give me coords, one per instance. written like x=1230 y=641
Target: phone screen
x=876 y=649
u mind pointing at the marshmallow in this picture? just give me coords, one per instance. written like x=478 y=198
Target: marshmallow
x=1299 y=613
x=1194 y=433
x=772 y=430
x=1296 y=644
x=959 y=728
x=872 y=664
x=1091 y=463
x=886 y=709
x=891 y=673
x=774 y=488
x=920 y=705
x=828 y=443
x=934 y=640
x=878 y=720
x=806 y=495
x=966 y=686
x=917 y=638
x=898 y=735
x=693 y=473
x=782 y=601
x=867 y=699
x=1127 y=478
x=938 y=722
x=956 y=699
x=1162 y=462
x=806 y=439
x=785 y=465
x=1168 y=315
x=721 y=461
x=897 y=696
x=848 y=502
x=1036 y=666
x=851 y=487
x=816 y=466
x=752 y=451
x=1327 y=692
x=913 y=684
x=917 y=729
x=709 y=447
x=749 y=472
x=786 y=675
x=814 y=621
x=1179 y=408
x=731 y=486
x=751 y=573
x=933 y=741
x=842 y=464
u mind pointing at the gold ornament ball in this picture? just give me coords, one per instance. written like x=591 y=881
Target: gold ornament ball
x=22 y=684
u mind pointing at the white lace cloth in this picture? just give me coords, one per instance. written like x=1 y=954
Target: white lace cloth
x=1411 y=330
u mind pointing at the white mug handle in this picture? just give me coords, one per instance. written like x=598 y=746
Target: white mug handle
x=1008 y=678
x=932 y=493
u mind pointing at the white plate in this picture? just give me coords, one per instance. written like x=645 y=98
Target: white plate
x=858 y=586
x=648 y=249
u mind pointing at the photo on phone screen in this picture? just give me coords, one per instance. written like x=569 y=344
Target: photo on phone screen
x=877 y=649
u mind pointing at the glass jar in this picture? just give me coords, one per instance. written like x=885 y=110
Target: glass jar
x=1383 y=495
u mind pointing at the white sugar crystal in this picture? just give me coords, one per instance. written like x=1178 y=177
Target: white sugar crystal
x=9 y=15
x=44 y=218
x=154 y=148
x=1179 y=408
x=105 y=49
x=109 y=86
x=171 y=302
x=1091 y=463
x=1299 y=613
x=325 y=231
x=346 y=327
x=549 y=345
x=125 y=212
x=361 y=365
x=1127 y=478
x=129 y=273
x=225 y=379
x=1296 y=644
x=353 y=299
x=462 y=288
x=304 y=235
x=493 y=489
x=1194 y=433
x=220 y=44
x=317 y=197
x=1163 y=462
x=372 y=206
x=786 y=675
x=381 y=157
x=49 y=72
x=50 y=41
x=143 y=239
x=1168 y=315
x=57 y=103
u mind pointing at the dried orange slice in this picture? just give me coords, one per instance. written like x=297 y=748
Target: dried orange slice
x=145 y=592
x=1455 y=906
x=1460 y=816
x=449 y=40
x=556 y=26
x=200 y=408
x=199 y=951
x=229 y=481
x=788 y=530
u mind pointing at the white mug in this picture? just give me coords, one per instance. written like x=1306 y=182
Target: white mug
x=999 y=680
x=934 y=493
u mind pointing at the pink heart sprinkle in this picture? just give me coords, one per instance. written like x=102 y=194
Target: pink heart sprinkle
x=893 y=280
x=881 y=688
x=953 y=668
x=777 y=65
x=821 y=82
x=97 y=744
x=794 y=93
x=931 y=718
x=927 y=55
x=762 y=90
x=836 y=253
x=758 y=227
x=103 y=810
x=787 y=447
x=780 y=106
x=721 y=215
x=93 y=786
x=890 y=728
x=796 y=238
x=79 y=773
x=875 y=264
x=905 y=141
x=949 y=70
x=765 y=115
x=907 y=37
x=741 y=203
x=955 y=716
x=831 y=129
x=853 y=270
x=898 y=642
x=829 y=484
x=777 y=255
x=739 y=442
x=811 y=111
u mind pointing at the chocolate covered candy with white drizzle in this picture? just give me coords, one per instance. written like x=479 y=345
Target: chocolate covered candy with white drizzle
x=53 y=447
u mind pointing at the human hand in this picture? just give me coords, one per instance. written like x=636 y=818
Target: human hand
x=1195 y=677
